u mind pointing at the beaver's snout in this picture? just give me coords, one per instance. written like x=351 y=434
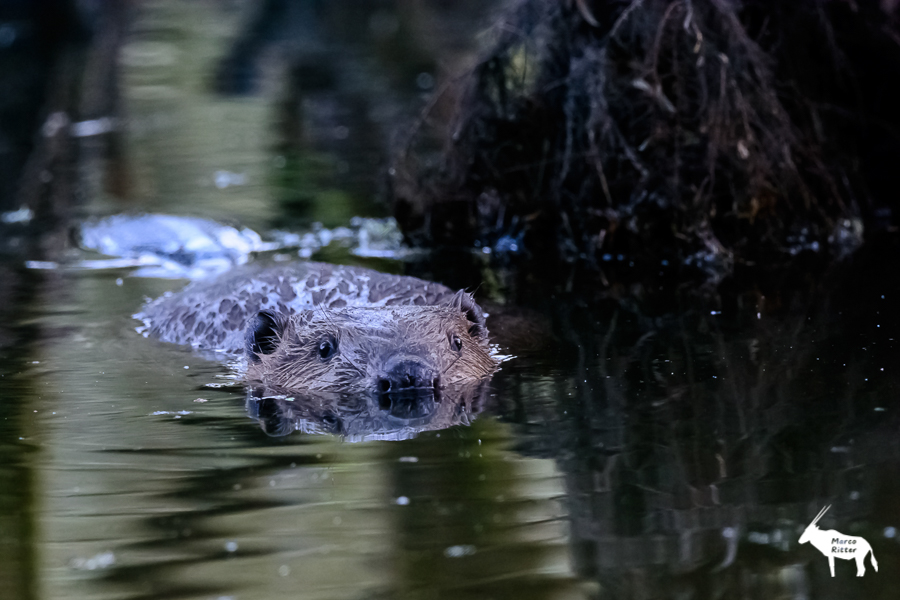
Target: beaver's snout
x=408 y=405
x=407 y=375
x=409 y=389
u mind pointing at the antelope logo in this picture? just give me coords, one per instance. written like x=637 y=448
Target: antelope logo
x=833 y=544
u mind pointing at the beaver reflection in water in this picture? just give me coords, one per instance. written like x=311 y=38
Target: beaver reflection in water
x=324 y=328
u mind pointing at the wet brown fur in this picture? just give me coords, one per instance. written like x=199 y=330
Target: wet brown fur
x=369 y=342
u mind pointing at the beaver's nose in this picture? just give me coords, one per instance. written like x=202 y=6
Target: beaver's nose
x=408 y=375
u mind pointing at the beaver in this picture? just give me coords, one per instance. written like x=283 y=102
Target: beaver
x=318 y=327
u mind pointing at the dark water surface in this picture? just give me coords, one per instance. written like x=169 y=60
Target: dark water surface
x=668 y=444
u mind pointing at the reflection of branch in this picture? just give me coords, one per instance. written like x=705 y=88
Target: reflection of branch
x=624 y=17
x=586 y=13
x=608 y=383
x=425 y=113
x=657 y=42
x=732 y=537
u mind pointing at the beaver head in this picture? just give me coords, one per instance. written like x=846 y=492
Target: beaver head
x=387 y=349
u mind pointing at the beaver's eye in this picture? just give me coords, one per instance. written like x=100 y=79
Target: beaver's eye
x=455 y=342
x=327 y=347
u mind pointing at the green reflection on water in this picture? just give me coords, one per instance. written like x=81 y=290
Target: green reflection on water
x=139 y=491
x=192 y=500
x=17 y=501
x=179 y=133
x=477 y=520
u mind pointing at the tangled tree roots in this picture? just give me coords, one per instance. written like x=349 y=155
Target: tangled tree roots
x=657 y=129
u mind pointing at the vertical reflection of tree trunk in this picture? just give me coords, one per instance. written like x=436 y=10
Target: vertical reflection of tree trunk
x=17 y=494
x=17 y=561
x=76 y=79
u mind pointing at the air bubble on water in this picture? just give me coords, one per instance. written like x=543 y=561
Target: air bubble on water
x=459 y=551
x=98 y=561
x=757 y=537
x=425 y=81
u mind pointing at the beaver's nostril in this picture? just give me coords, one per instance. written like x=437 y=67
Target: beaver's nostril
x=409 y=375
x=437 y=389
x=384 y=385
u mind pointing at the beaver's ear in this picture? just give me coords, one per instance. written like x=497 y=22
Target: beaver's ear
x=264 y=334
x=464 y=302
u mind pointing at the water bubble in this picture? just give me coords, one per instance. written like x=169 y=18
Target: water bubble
x=756 y=537
x=425 y=81
x=458 y=551
x=7 y=35
x=92 y=127
x=98 y=561
x=224 y=179
x=23 y=215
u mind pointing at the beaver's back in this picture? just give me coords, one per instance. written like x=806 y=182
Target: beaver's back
x=213 y=314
